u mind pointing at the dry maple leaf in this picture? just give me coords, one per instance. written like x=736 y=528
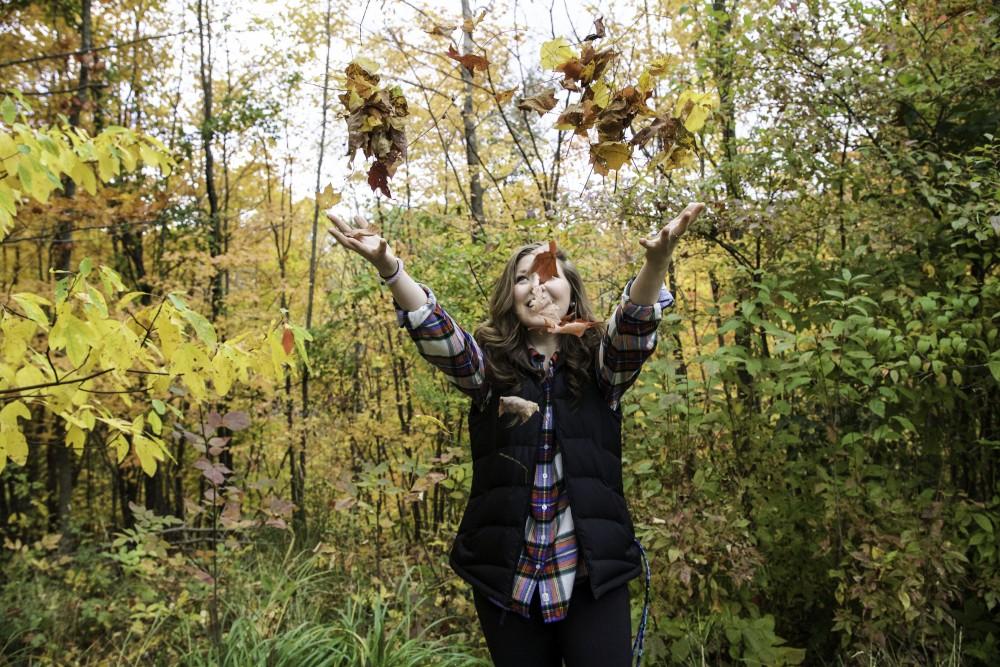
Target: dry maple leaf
x=470 y=62
x=521 y=408
x=598 y=30
x=545 y=264
x=288 y=341
x=439 y=30
x=504 y=96
x=542 y=102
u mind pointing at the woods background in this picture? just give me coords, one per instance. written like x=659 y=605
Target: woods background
x=217 y=447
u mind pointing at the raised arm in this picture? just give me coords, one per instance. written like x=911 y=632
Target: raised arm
x=630 y=338
x=439 y=339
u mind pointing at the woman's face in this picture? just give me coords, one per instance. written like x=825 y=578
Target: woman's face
x=535 y=301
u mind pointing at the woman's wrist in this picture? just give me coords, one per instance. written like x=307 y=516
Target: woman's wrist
x=388 y=266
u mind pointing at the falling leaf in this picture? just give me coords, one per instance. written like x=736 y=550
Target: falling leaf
x=519 y=407
x=378 y=178
x=572 y=326
x=609 y=155
x=439 y=30
x=598 y=30
x=545 y=264
x=505 y=96
x=470 y=61
x=664 y=127
x=288 y=340
x=542 y=102
x=555 y=52
x=327 y=198
x=695 y=108
x=578 y=117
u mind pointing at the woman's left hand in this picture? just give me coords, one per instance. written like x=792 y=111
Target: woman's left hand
x=661 y=246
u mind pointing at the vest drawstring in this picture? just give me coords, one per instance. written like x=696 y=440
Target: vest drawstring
x=640 y=636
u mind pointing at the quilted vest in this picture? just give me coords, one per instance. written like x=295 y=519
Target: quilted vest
x=490 y=536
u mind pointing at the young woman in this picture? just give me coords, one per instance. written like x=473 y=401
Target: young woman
x=546 y=534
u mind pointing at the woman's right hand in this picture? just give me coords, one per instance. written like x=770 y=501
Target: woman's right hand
x=362 y=240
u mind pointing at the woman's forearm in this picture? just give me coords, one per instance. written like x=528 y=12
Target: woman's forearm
x=405 y=289
x=646 y=286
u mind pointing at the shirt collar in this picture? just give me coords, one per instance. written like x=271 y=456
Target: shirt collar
x=537 y=358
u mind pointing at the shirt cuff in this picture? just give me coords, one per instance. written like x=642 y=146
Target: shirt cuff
x=646 y=313
x=414 y=318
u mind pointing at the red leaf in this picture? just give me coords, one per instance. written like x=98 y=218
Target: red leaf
x=288 y=340
x=378 y=178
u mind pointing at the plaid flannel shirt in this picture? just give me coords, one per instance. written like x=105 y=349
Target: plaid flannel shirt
x=549 y=562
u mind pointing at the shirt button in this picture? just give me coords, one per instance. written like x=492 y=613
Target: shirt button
x=545 y=475
x=538 y=566
x=545 y=597
x=545 y=447
x=545 y=507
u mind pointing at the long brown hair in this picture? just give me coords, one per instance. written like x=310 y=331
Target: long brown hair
x=504 y=338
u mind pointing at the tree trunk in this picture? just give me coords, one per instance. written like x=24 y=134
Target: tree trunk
x=471 y=143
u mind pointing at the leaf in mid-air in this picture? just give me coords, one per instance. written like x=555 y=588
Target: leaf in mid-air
x=609 y=155
x=378 y=178
x=598 y=30
x=470 y=61
x=542 y=102
x=288 y=341
x=555 y=52
x=521 y=408
x=545 y=264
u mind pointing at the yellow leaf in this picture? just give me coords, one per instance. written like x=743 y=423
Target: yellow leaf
x=695 y=108
x=602 y=94
x=121 y=447
x=75 y=438
x=31 y=305
x=609 y=155
x=327 y=198
x=148 y=451
x=155 y=424
x=555 y=52
x=222 y=374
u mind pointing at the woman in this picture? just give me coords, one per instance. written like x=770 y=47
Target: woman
x=546 y=533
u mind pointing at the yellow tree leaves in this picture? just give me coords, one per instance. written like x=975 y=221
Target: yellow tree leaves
x=555 y=52
x=33 y=161
x=12 y=442
x=101 y=356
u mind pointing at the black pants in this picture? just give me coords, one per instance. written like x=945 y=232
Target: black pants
x=594 y=632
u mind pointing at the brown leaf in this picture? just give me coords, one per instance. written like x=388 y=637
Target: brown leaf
x=573 y=327
x=288 y=341
x=598 y=30
x=542 y=102
x=579 y=117
x=505 y=96
x=470 y=61
x=515 y=405
x=439 y=30
x=664 y=127
x=545 y=264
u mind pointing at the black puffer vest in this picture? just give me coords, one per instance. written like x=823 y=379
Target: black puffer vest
x=491 y=535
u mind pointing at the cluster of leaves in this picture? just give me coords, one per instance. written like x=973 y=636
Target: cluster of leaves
x=375 y=122
x=611 y=111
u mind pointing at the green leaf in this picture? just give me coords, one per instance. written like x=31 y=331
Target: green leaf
x=202 y=327
x=8 y=110
x=984 y=522
x=31 y=304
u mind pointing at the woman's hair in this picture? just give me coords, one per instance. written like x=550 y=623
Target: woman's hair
x=505 y=339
